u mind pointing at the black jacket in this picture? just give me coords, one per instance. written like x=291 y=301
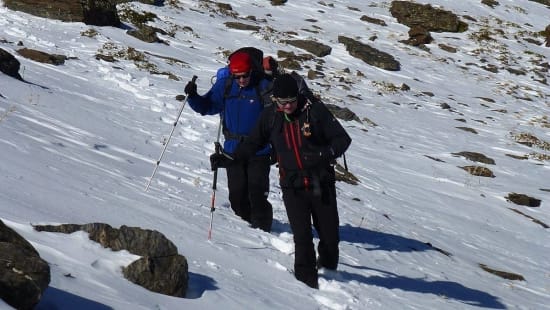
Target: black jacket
x=304 y=160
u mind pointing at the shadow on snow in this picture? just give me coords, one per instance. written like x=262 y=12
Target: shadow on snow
x=384 y=241
x=198 y=284
x=388 y=242
x=445 y=289
x=54 y=298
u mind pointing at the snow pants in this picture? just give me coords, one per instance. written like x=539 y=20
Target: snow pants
x=303 y=206
x=248 y=182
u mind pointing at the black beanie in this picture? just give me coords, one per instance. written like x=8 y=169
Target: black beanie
x=285 y=86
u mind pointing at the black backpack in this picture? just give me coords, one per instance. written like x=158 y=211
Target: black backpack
x=257 y=57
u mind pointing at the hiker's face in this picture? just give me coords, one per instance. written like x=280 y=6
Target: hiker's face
x=287 y=105
x=243 y=79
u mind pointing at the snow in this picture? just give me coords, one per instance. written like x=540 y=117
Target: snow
x=80 y=141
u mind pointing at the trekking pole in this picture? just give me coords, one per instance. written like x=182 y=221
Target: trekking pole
x=345 y=163
x=169 y=137
x=217 y=150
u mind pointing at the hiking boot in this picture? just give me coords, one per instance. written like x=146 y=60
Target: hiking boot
x=321 y=264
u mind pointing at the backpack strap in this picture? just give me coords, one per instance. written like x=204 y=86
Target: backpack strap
x=264 y=94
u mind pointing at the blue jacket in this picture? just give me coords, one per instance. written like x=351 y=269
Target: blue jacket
x=239 y=110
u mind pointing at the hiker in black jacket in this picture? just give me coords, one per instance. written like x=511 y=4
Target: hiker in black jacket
x=306 y=138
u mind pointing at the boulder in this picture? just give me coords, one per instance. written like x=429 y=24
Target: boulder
x=23 y=274
x=90 y=12
x=316 y=48
x=9 y=65
x=370 y=55
x=138 y=241
x=160 y=269
x=166 y=275
x=546 y=34
x=424 y=15
x=418 y=36
x=42 y=57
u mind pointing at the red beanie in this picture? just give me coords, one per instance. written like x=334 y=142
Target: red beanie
x=239 y=62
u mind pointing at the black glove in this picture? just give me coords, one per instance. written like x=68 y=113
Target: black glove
x=315 y=156
x=220 y=160
x=191 y=89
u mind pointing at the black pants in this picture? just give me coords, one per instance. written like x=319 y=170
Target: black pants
x=302 y=207
x=248 y=183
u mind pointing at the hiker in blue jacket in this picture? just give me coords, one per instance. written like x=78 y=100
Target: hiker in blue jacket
x=239 y=103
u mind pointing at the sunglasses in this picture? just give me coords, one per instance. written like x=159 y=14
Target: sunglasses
x=284 y=101
x=241 y=76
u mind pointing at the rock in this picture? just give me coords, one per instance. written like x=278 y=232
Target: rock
x=546 y=33
x=545 y=2
x=373 y=20
x=165 y=275
x=468 y=129
x=491 y=3
x=9 y=65
x=524 y=200
x=369 y=54
x=418 y=35
x=241 y=26
x=145 y=33
x=479 y=171
x=42 y=57
x=344 y=175
x=90 y=12
x=342 y=113
x=161 y=269
x=503 y=274
x=430 y=18
x=316 y=48
x=477 y=157
x=23 y=274
x=448 y=48
x=135 y=240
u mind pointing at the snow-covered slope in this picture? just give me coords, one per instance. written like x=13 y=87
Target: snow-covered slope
x=79 y=142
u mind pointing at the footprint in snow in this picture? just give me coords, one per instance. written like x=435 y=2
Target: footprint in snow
x=277 y=265
x=213 y=265
x=284 y=243
x=236 y=272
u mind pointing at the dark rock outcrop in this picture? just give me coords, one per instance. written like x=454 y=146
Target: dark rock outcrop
x=523 y=200
x=9 y=65
x=90 y=12
x=478 y=157
x=242 y=26
x=316 y=48
x=430 y=18
x=479 y=171
x=418 y=35
x=165 y=275
x=145 y=33
x=23 y=274
x=545 y=2
x=42 y=57
x=136 y=240
x=373 y=20
x=369 y=54
x=503 y=274
x=161 y=269
x=546 y=34
x=343 y=113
